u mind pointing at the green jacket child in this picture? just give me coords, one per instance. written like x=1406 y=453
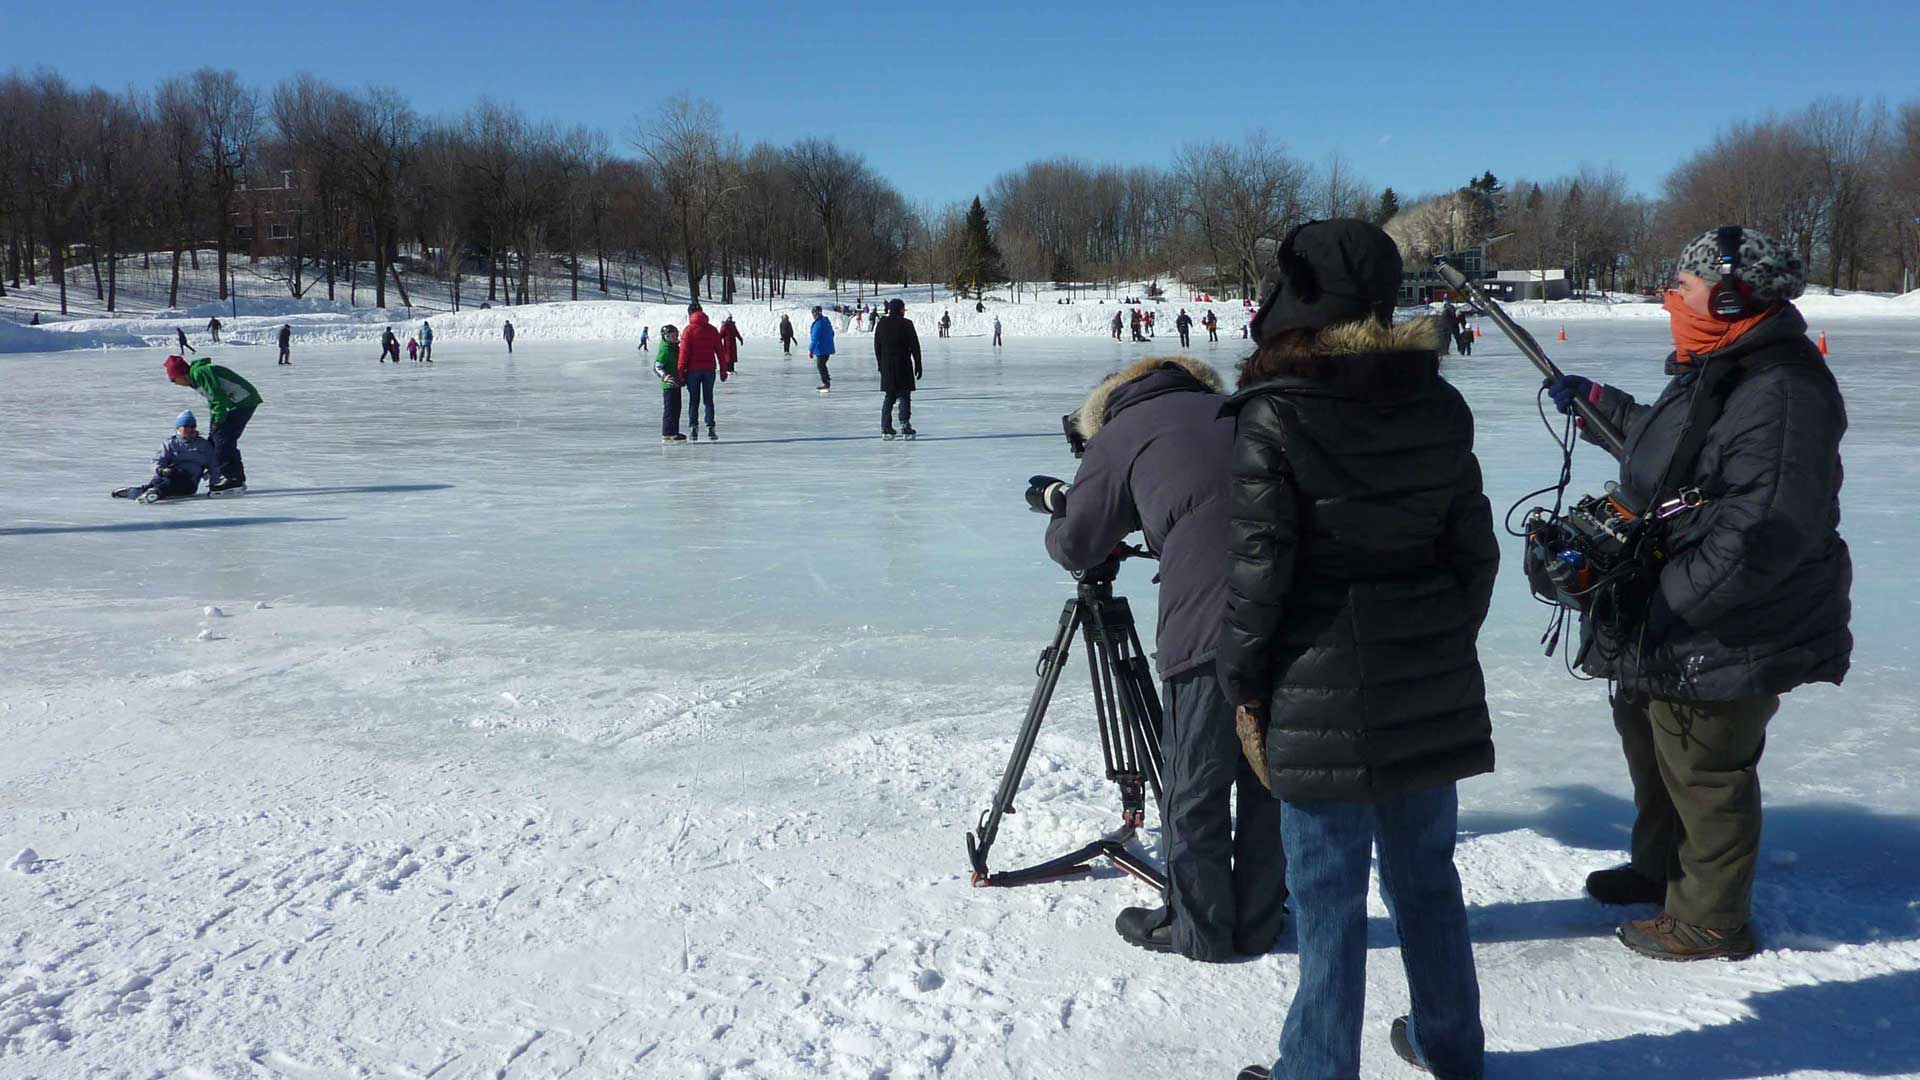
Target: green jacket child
x=225 y=392
x=666 y=361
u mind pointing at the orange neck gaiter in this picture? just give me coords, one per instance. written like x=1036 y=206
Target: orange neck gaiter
x=1695 y=335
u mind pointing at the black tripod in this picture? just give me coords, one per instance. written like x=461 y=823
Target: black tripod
x=1128 y=713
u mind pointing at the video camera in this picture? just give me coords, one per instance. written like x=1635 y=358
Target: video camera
x=1075 y=441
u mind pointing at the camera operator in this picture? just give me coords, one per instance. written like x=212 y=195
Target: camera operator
x=1156 y=461
x=1750 y=600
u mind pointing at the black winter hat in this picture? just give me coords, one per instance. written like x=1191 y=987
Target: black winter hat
x=896 y=306
x=693 y=307
x=1331 y=272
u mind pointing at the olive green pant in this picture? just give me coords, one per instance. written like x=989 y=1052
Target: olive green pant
x=1696 y=796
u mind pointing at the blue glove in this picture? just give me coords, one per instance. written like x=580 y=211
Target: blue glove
x=1566 y=389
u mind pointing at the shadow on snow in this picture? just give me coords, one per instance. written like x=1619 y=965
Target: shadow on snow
x=157 y=526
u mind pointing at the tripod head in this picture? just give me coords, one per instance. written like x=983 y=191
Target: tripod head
x=1100 y=578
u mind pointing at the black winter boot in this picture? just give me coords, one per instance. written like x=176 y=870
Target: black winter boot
x=1403 y=1045
x=1624 y=885
x=1149 y=928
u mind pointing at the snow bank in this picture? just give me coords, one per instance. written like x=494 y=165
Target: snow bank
x=1051 y=314
x=15 y=338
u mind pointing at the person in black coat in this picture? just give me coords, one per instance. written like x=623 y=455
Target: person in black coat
x=1156 y=461
x=1751 y=599
x=896 y=345
x=1361 y=562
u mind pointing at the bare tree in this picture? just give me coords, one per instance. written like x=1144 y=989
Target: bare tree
x=830 y=178
x=1242 y=195
x=685 y=152
x=229 y=121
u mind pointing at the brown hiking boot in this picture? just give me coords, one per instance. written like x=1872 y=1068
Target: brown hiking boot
x=1667 y=938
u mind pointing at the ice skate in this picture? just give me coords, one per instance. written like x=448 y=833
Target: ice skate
x=907 y=432
x=694 y=435
x=712 y=435
x=888 y=436
x=126 y=493
x=674 y=438
x=227 y=487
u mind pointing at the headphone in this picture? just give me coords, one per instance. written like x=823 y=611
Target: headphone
x=1728 y=298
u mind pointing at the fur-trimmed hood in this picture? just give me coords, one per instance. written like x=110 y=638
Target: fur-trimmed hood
x=1359 y=339
x=1092 y=414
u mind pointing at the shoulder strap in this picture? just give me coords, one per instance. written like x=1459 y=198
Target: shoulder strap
x=1711 y=388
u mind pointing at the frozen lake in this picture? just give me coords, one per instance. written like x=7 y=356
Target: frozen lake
x=522 y=742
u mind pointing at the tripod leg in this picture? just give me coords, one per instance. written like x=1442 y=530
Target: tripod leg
x=1052 y=661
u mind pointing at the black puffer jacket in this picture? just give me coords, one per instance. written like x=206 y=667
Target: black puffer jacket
x=896 y=346
x=1757 y=579
x=1362 y=564
x=1157 y=452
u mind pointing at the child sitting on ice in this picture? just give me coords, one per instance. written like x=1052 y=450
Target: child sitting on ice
x=178 y=467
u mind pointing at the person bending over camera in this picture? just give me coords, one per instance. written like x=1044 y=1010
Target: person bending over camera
x=1362 y=562
x=1156 y=461
x=1751 y=600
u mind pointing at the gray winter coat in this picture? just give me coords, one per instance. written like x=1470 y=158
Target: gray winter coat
x=192 y=458
x=1156 y=461
x=1757 y=579
x=1362 y=561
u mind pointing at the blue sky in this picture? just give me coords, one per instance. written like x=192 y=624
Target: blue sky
x=943 y=98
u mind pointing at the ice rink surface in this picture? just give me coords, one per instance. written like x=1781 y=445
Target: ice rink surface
x=486 y=736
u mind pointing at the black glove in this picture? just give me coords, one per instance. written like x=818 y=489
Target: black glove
x=1566 y=388
x=1047 y=494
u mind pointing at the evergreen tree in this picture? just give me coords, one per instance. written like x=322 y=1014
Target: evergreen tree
x=1487 y=184
x=1388 y=206
x=980 y=267
x=1063 y=271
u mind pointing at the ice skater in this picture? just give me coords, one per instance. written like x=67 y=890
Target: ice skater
x=1212 y=323
x=699 y=365
x=413 y=349
x=729 y=346
x=183 y=459
x=286 y=344
x=666 y=364
x=213 y=329
x=946 y=325
x=426 y=342
x=896 y=347
x=1184 y=324
x=506 y=333
x=820 y=346
x=786 y=336
x=1464 y=338
x=996 y=331
x=1115 y=325
x=181 y=336
x=231 y=401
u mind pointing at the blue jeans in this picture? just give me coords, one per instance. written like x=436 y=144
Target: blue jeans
x=1329 y=847
x=699 y=388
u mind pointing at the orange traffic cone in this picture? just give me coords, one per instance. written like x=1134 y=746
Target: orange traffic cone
x=1476 y=333
x=1823 y=343
x=1563 y=333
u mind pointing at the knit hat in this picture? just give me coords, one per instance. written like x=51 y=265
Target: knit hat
x=1769 y=271
x=693 y=307
x=176 y=368
x=186 y=419
x=1331 y=272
